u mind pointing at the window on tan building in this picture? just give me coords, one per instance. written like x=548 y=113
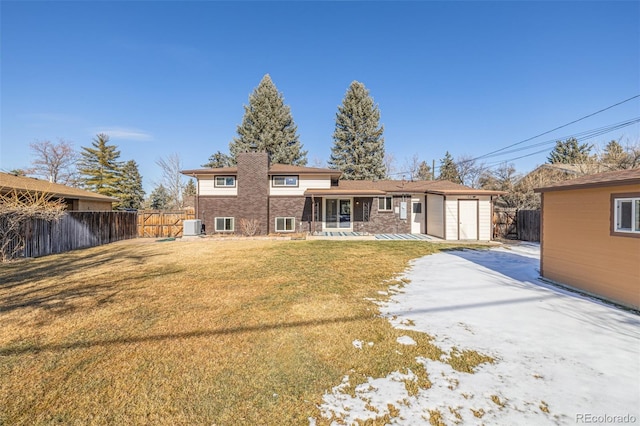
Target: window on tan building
x=626 y=214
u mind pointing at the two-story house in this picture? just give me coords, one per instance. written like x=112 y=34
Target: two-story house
x=283 y=198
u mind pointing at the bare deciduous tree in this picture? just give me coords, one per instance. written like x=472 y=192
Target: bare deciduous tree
x=54 y=162
x=389 y=164
x=17 y=209
x=469 y=171
x=172 y=179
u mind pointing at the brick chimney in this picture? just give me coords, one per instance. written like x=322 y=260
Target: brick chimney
x=253 y=189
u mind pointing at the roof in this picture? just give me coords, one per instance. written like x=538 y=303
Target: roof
x=9 y=182
x=356 y=187
x=615 y=178
x=274 y=169
x=381 y=187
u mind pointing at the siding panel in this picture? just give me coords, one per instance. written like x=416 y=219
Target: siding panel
x=435 y=218
x=578 y=250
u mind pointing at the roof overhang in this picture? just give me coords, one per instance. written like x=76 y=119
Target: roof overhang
x=476 y=192
x=588 y=185
x=344 y=192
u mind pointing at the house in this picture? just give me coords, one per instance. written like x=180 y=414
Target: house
x=590 y=238
x=76 y=199
x=278 y=198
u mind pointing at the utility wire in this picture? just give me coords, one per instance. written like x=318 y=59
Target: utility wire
x=553 y=130
x=588 y=134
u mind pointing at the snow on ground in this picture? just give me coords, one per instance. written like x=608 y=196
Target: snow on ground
x=561 y=358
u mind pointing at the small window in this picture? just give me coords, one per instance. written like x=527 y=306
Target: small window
x=627 y=215
x=385 y=203
x=285 y=181
x=285 y=224
x=417 y=208
x=225 y=224
x=225 y=181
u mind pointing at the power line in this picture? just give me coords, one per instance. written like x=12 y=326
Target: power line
x=553 y=130
x=589 y=134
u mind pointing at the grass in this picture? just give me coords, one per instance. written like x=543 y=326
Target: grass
x=199 y=332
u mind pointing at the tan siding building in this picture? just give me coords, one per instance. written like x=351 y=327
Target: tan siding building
x=590 y=237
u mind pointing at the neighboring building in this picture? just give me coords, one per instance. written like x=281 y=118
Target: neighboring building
x=76 y=199
x=590 y=238
x=283 y=198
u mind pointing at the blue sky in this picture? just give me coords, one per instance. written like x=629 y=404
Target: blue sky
x=163 y=77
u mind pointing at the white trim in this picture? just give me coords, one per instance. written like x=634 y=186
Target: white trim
x=285 y=184
x=233 y=224
x=634 y=213
x=287 y=218
x=224 y=184
x=385 y=209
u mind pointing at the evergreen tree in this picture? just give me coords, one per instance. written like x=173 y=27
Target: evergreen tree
x=358 y=149
x=219 y=159
x=159 y=198
x=131 y=192
x=615 y=157
x=99 y=168
x=267 y=125
x=449 y=170
x=569 y=152
x=190 y=189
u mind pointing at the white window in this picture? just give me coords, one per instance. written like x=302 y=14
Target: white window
x=224 y=224
x=385 y=203
x=226 y=181
x=285 y=181
x=627 y=215
x=285 y=224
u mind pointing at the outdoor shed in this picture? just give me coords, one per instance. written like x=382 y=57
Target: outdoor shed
x=590 y=237
x=75 y=198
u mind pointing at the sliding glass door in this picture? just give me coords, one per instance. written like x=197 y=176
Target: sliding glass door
x=337 y=214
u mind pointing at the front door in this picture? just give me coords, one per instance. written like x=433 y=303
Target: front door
x=337 y=214
x=468 y=222
x=417 y=217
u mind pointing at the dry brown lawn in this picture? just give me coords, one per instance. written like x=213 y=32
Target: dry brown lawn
x=197 y=332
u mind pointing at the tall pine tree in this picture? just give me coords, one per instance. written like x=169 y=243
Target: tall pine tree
x=358 y=149
x=99 y=168
x=267 y=125
x=131 y=192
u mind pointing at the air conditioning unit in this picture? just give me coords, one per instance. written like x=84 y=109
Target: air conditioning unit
x=191 y=227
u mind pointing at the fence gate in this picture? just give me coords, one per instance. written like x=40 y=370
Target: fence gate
x=163 y=223
x=516 y=224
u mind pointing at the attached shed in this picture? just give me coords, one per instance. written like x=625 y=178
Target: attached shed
x=460 y=214
x=590 y=237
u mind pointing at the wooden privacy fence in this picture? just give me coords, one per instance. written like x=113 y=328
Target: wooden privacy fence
x=162 y=223
x=516 y=224
x=77 y=230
